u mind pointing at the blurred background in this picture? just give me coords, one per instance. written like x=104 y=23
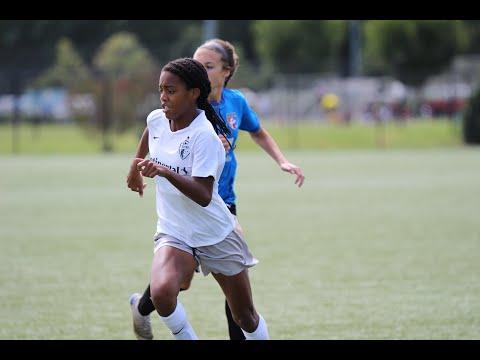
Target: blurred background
x=98 y=79
x=381 y=242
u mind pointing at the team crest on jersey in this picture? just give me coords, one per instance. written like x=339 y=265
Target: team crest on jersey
x=184 y=149
x=232 y=120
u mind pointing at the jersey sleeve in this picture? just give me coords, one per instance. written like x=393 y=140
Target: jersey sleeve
x=250 y=121
x=206 y=155
x=153 y=114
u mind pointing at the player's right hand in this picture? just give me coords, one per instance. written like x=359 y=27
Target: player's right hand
x=135 y=178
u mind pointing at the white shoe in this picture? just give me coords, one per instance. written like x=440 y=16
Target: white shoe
x=141 y=324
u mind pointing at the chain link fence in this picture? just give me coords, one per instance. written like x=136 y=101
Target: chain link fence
x=111 y=105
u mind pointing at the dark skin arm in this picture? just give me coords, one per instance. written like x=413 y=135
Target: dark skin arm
x=134 y=177
x=198 y=189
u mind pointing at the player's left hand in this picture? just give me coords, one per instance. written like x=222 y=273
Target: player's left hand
x=150 y=169
x=294 y=169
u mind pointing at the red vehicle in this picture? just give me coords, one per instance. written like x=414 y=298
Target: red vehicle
x=445 y=99
x=446 y=107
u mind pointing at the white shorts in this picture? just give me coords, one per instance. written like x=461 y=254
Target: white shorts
x=228 y=257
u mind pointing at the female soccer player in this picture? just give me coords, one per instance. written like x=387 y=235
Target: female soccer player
x=220 y=59
x=194 y=227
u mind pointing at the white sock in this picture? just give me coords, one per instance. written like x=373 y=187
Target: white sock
x=178 y=324
x=260 y=333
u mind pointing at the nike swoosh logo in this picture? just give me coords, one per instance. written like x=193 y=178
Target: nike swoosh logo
x=156 y=137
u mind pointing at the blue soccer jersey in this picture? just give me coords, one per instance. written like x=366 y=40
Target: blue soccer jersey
x=238 y=115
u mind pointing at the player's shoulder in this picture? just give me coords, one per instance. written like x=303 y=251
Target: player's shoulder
x=202 y=125
x=204 y=135
x=155 y=114
x=206 y=130
x=234 y=94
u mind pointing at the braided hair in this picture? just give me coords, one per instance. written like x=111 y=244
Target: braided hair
x=194 y=75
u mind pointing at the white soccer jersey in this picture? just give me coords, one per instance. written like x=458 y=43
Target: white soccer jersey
x=193 y=151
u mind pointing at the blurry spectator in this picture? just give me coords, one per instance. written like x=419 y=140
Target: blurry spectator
x=330 y=103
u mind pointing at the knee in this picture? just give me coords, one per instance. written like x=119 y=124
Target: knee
x=164 y=297
x=186 y=285
x=246 y=318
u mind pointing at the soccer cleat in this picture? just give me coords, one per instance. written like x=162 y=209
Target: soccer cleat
x=141 y=324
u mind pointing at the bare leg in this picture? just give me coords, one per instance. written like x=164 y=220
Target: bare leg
x=238 y=292
x=234 y=331
x=171 y=269
x=145 y=304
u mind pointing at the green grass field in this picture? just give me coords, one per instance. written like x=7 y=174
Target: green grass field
x=69 y=139
x=376 y=245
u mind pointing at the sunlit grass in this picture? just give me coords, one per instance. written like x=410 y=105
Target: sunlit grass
x=70 y=139
x=375 y=245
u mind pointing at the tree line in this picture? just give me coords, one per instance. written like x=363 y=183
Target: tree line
x=409 y=50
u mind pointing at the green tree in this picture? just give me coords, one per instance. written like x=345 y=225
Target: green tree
x=187 y=42
x=300 y=46
x=123 y=55
x=69 y=70
x=249 y=76
x=127 y=73
x=473 y=29
x=240 y=33
x=412 y=50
